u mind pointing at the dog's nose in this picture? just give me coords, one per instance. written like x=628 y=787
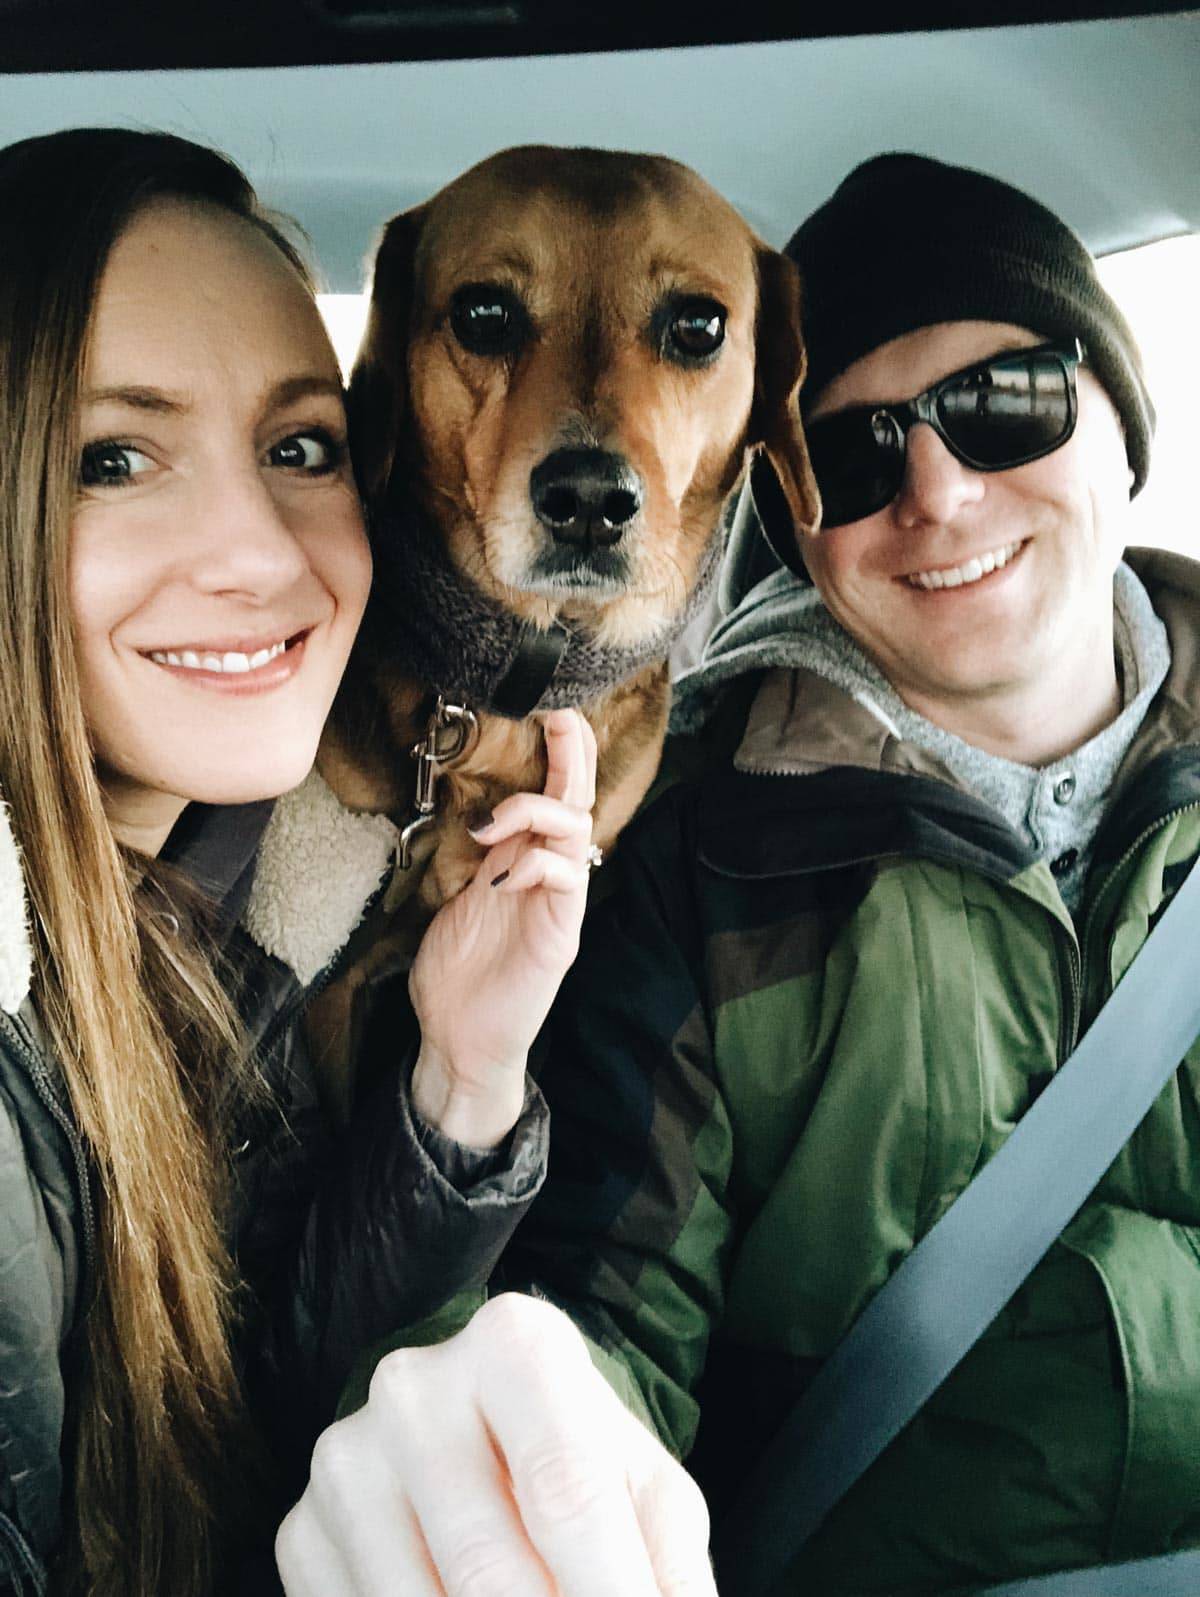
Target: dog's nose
x=585 y=495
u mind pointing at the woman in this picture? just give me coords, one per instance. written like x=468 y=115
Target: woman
x=188 y=1267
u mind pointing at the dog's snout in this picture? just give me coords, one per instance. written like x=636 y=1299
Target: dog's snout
x=585 y=496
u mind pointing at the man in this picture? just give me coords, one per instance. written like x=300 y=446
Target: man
x=929 y=808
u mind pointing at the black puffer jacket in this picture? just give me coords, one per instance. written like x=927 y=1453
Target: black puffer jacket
x=340 y=1236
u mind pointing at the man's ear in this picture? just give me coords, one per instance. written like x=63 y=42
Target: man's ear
x=378 y=394
x=779 y=363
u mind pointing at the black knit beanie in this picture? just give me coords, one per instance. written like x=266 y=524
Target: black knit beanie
x=907 y=241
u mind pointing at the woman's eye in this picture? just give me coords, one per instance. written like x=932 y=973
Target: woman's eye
x=696 y=329
x=314 y=452
x=111 y=465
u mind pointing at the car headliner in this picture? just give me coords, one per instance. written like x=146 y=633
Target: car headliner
x=1100 y=119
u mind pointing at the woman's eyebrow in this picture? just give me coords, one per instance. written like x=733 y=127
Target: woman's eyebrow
x=291 y=389
x=173 y=402
x=161 y=400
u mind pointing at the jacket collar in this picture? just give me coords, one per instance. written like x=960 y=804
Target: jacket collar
x=801 y=722
x=297 y=873
x=216 y=846
x=874 y=795
x=319 y=865
x=16 y=950
x=772 y=826
x=1173 y=583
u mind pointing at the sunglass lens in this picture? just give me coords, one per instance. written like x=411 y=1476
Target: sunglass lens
x=858 y=466
x=1008 y=411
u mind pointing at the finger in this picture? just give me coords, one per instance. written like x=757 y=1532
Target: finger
x=570 y=772
x=357 y=1506
x=588 y=734
x=541 y=867
x=591 y=760
x=469 y=1520
x=369 y=1560
x=308 y=1563
x=569 y=1482
x=674 y=1521
x=549 y=818
x=438 y=1444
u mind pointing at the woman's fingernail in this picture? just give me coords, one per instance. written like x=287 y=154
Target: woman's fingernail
x=503 y=877
x=479 y=817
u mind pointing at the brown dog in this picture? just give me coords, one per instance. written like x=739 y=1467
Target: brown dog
x=570 y=356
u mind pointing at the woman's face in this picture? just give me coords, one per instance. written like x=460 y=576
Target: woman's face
x=218 y=562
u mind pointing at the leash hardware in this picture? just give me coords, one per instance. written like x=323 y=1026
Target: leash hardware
x=451 y=735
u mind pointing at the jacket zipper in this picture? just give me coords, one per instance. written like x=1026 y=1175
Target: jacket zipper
x=1068 y=1029
x=1078 y=956
x=44 y=1087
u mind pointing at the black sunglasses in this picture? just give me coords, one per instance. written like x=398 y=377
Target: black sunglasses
x=991 y=415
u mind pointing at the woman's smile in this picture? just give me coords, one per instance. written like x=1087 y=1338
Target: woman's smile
x=241 y=669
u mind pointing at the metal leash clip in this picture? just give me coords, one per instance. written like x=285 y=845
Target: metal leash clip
x=451 y=734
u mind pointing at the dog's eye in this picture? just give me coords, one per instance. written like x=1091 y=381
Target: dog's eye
x=696 y=329
x=487 y=320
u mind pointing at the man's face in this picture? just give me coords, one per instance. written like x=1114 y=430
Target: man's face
x=1058 y=524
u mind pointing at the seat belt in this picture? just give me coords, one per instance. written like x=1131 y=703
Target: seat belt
x=1171 y=1575
x=956 y=1280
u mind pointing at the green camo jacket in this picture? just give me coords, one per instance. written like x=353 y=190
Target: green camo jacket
x=824 y=987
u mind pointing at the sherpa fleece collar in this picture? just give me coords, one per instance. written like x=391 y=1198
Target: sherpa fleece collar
x=16 y=950
x=318 y=866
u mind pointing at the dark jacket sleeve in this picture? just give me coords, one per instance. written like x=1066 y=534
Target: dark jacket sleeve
x=632 y=1229
x=349 y=1235
x=41 y=1267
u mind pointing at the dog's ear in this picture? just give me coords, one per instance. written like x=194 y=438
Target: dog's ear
x=779 y=362
x=378 y=394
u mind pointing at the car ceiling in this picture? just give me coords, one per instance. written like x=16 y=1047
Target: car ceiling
x=1101 y=119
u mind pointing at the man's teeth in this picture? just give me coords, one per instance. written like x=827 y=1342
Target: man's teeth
x=961 y=576
x=231 y=662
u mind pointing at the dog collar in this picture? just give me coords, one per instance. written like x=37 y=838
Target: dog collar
x=445 y=631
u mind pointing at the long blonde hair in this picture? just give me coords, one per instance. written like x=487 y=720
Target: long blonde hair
x=147 y=1038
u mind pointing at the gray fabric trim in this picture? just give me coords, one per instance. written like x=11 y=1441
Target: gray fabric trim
x=511 y=1170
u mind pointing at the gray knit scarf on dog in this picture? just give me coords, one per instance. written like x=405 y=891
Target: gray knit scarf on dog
x=445 y=631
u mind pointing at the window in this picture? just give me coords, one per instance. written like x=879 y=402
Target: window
x=1156 y=287
x=346 y=321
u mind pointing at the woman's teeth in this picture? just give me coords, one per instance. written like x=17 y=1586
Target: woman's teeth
x=972 y=571
x=233 y=662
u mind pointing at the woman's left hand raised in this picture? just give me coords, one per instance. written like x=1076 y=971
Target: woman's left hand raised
x=493 y=957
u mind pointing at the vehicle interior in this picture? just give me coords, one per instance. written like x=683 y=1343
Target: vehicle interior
x=344 y=112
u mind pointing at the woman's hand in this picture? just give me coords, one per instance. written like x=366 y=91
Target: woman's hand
x=499 y=1464
x=493 y=957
